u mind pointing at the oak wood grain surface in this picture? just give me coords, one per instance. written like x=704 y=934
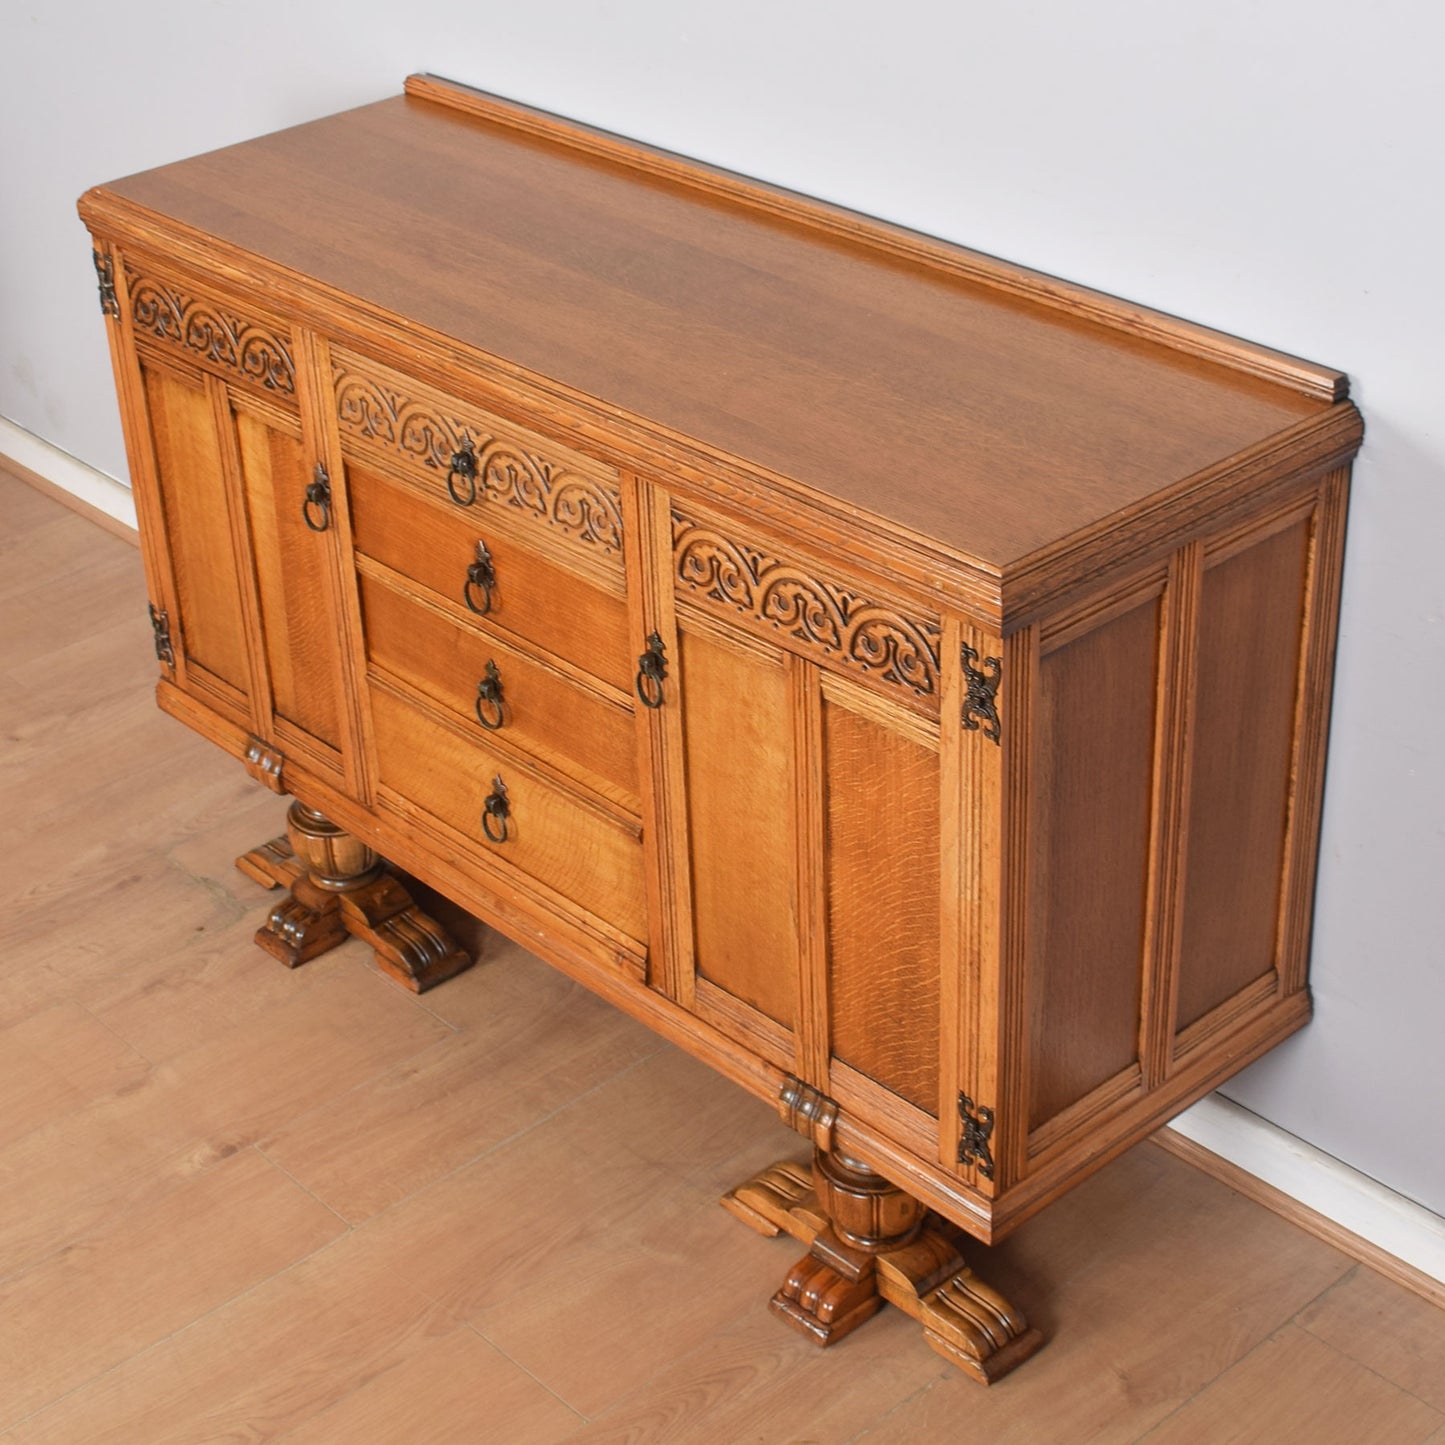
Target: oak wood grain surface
x=951 y=407
x=241 y=1202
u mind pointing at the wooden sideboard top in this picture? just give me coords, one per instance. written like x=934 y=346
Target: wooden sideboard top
x=966 y=401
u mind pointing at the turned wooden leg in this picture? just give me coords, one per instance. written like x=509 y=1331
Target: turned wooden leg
x=337 y=887
x=869 y=1242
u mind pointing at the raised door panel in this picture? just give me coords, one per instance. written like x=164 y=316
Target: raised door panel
x=207 y=623
x=883 y=880
x=737 y=729
x=294 y=570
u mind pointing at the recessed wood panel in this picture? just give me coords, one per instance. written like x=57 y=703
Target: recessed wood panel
x=883 y=914
x=739 y=777
x=198 y=530
x=292 y=580
x=435 y=544
x=1249 y=637
x=1089 y=858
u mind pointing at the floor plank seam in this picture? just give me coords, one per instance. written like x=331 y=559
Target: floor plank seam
x=348 y=1226
x=482 y=1335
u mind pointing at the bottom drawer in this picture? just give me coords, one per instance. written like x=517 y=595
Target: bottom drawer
x=573 y=848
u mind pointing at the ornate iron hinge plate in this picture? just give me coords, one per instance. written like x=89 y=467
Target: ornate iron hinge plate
x=161 y=626
x=977 y=1131
x=809 y=1112
x=105 y=278
x=980 y=707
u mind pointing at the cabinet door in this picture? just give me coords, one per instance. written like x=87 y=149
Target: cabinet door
x=245 y=591
x=808 y=790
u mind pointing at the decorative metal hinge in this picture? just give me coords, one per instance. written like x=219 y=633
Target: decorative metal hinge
x=161 y=626
x=980 y=706
x=105 y=276
x=804 y=1109
x=977 y=1130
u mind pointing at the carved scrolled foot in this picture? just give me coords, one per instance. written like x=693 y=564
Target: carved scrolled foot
x=339 y=888
x=871 y=1243
x=302 y=925
x=829 y=1292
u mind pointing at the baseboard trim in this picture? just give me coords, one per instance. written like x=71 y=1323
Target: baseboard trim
x=69 y=480
x=1391 y=1234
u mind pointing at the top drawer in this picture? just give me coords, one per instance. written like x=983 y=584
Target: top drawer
x=467 y=456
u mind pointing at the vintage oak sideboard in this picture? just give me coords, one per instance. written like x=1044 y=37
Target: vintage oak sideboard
x=898 y=677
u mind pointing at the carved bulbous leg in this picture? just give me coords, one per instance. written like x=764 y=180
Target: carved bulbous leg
x=869 y=1242
x=338 y=887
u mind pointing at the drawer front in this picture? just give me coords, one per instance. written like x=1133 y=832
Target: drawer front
x=491 y=685
x=807 y=605
x=528 y=594
x=537 y=483
x=592 y=860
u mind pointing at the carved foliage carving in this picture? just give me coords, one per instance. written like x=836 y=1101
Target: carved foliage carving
x=875 y=638
x=577 y=506
x=212 y=333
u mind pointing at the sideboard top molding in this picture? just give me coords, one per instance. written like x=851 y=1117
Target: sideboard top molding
x=1321 y=382
x=981 y=408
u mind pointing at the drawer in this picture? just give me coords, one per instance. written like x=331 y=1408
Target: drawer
x=576 y=849
x=571 y=727
x=539 y=484
x=530 y=595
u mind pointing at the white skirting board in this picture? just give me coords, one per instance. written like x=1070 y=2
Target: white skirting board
x=68 y=473
x=1342 y=1195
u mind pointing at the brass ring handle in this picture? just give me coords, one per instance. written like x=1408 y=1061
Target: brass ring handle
x=318 y=499
x=489 y=696
x=496 y=807
x=481 y=578
x=463 y=464
x=651 y=669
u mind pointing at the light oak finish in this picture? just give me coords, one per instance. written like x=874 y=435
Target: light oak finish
x=511 y=1162
x=898 y=678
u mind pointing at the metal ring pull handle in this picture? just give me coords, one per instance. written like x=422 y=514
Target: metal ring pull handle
x=488 y=705
x=318 y=501
x=495 y=812
x=463 y=465
x=481 y=578
x=651 y=669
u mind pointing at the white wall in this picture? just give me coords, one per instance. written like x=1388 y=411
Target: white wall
x=1272 y=168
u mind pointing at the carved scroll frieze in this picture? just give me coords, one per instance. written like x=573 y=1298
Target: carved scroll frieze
x=511 y=475
x=211 y=333
x=877 y=639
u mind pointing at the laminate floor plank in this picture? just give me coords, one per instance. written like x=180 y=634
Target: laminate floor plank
x=531 y=1247
x=56 y=1061
x=265 y=1363
x=1296 y=1388
x=1398 y=1335
x=541 y=1041
x=456 y=1392
x=83 y=1311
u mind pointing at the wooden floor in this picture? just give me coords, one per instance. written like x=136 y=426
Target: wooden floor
x=241 y=1203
